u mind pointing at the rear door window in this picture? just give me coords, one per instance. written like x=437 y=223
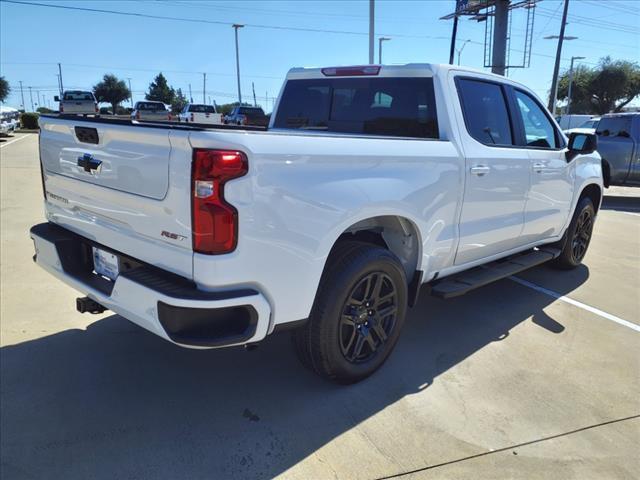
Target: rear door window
x=78 y=96
x=400 y=107
x=485 y=111
x=202 y=109
x=614 y=126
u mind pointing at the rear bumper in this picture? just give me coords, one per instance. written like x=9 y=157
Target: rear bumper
x=161 y=302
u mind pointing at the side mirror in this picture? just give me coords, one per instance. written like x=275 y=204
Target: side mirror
x=56 y=98
x=581 y=144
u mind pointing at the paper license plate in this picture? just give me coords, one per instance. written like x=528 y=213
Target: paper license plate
x=105 y=263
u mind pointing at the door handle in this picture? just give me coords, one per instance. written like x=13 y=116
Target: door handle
x=479 y=170
x=538 y=167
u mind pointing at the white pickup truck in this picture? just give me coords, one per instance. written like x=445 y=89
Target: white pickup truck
x=369 y=182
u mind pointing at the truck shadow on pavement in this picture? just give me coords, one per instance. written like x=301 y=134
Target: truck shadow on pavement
x=621 y=203
x=114 y=401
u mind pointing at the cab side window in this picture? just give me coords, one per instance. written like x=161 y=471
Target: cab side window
x=485 y=111
x=538 y=129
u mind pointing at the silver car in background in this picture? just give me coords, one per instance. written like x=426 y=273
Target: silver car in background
x=9 y=120
x=150 y=111
x=77 y=102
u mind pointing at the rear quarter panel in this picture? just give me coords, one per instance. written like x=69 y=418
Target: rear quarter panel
x=303 y=191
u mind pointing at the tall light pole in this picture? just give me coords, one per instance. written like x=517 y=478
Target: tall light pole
x=31 y=97
x=556 y=68
x=22 y=95
x=459 y=50
x=372 y=9
x=236 y=26
x=130 y=91
x=571 y=83
x=380 y=40
x=60 y=73
x=204 y=88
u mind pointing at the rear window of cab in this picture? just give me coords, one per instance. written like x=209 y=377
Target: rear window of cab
x=398 y=107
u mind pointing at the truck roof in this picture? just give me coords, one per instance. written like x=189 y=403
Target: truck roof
x=399 y=70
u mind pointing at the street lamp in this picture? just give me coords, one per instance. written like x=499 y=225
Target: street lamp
x=380 y=40
x=571 y=83
x=236 y=26
x=554 y=83
x=462 y=48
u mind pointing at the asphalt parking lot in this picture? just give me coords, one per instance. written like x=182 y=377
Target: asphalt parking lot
x=534 y=377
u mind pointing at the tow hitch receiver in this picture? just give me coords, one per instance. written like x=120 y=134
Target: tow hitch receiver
x=87 y=305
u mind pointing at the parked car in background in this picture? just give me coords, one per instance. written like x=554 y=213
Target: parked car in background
x=619 y=146
x=363 y=188
x=247 y=116
x=572 y=120
x=587 y=127
x=150 y=111
x=9 y=120
x=77 y=102
x=200 y=113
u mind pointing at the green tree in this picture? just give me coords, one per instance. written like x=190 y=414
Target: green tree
x=111 y=90
x=4 y=89
x=160 y=91
x=608 y=87
x=179 y=101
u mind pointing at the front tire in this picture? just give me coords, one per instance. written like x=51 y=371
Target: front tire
x=577 y=236
x=357 y=316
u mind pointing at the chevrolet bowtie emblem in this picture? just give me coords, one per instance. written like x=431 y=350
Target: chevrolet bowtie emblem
x=88 y=163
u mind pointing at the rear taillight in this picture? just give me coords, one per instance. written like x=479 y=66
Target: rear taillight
x=169 y=117
x=351 y=71
x=61 y=108
x=192 y=117
x=245 y=120
x=214 y=221
x=137 y=115
x=96 y=105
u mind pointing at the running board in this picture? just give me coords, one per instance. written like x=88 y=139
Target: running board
x=464 y=282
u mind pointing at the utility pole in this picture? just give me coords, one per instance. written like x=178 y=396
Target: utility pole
x=571 y=83
x=372 y=8
x=266 y=101
x=380 y=40
x=236 y=26
x=38 y=97
x=190 y=95
x=60 y=73
x=454 y=34
x=553 y=95
x=209 y=99
x=22 y=95
x=130 y=91
x=501 y=24
x=253 y=87
x=31 y=97
x=204 y=87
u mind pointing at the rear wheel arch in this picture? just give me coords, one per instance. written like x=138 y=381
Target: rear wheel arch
x=396 y=233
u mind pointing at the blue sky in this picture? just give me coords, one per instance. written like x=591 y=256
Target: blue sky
x=33 y=39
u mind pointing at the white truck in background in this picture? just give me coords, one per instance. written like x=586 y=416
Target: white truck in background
x=369 y=182
x=200 y=113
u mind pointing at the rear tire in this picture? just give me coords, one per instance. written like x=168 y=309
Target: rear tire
x=357 y=315
x=577 y=237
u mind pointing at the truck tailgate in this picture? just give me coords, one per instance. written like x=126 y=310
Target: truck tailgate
x=124 y=186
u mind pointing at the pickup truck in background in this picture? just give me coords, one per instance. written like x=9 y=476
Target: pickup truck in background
x=77 y=102
x=150 y=111
x=200 y=113
x=247 y=116
x=619 y=146
x=369 y=182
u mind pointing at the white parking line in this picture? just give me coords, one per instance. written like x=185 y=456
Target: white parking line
x=13 y=141
x=573 y=302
